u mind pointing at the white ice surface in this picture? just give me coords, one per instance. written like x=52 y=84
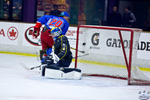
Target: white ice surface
x=16 y=83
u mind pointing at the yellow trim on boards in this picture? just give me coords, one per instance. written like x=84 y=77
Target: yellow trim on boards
x=110 y=65
x=18 y=53
x=145 y=69
x=102 y=63
x=81 y=61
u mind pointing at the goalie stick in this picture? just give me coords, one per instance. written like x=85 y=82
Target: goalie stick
x=38 y=66
x=83 y=44
x=34 y=67
x=29 y=68
x=78 y=50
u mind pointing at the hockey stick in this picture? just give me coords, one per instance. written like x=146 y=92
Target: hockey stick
x=78 y=50
x=82 y=55
x=37 y=55
x=29 y=68
x=35 y=67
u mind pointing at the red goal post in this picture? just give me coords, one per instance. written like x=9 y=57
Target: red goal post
x=120 y=54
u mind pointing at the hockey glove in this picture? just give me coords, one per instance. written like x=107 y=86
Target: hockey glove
x=36 y=32
x=55 y=57
x=48 y=51
x=47 y=60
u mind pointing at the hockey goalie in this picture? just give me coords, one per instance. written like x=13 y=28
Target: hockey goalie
x=56 y=61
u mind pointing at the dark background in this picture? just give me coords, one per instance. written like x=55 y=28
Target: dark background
x=90 y=12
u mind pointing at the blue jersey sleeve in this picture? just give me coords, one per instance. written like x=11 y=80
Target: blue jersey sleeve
x=65 y=28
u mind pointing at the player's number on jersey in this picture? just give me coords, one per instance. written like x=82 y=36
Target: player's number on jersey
x=56 y=22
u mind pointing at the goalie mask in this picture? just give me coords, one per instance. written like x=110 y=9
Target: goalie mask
x=56 y=31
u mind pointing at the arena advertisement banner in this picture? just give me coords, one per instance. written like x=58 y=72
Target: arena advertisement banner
x=19 y=35
x=9 y=33
x=104 y=42
x=92 y=41
x=111 y=43
x=144 y=46
x=71 y=35
x=28 y=39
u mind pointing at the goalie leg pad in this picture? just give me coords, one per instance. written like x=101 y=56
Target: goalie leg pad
x=71 y=73
x=75 y=75
x=67 y=70
x=64 y=69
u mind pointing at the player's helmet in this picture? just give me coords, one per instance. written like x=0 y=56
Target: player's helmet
x=64 y=13
x=56 y=31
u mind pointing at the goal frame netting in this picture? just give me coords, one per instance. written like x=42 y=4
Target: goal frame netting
x=128 y=61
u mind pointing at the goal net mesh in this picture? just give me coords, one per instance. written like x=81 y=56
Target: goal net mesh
x=110 y=52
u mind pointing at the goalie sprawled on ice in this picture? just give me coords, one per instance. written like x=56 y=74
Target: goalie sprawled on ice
x=56 y=64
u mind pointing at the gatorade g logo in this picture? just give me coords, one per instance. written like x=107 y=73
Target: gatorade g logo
x=95 y=39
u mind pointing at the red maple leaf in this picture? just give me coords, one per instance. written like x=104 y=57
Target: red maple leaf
x=12 y=33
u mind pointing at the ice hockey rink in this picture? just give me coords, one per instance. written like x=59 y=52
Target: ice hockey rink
x=16 y=83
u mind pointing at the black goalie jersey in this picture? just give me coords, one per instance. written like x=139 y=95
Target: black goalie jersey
x=62 y=50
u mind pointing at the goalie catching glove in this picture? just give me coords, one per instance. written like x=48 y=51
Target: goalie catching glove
x=48 y=58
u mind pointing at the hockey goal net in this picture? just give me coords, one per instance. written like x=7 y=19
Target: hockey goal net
x=110 y=52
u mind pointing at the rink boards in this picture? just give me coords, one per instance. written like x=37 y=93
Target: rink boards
x=12 y=40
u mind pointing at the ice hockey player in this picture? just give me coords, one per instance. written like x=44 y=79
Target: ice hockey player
x=62 y=56
x=47 y=40
x=50 y=21
x=61 y=49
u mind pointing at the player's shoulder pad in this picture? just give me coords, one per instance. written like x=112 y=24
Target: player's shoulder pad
x=63 y=37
